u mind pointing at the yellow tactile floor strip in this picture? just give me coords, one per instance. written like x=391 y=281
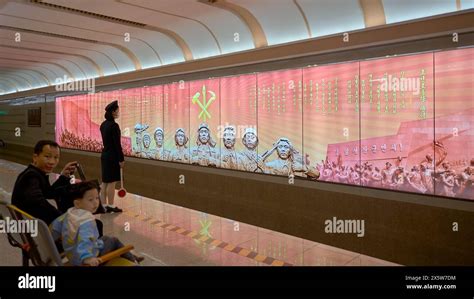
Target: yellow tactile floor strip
x=218 y=243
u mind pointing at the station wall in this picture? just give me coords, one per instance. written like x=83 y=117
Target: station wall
x=406 y=228
x=402 y=123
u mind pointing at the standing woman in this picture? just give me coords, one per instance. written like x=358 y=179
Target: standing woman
x=112 y=159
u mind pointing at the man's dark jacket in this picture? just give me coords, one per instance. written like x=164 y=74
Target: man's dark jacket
x=31 y=191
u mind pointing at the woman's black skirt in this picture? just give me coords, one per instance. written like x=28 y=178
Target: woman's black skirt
x=110 y=170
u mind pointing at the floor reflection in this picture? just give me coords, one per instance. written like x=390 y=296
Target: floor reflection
x=169 y=235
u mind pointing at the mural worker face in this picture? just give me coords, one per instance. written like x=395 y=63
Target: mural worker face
x=180 y=138
x=250 y=140
x=146 y=141
x=283 y=150
x=229 y=140
x=203 y=135
x=159 y=139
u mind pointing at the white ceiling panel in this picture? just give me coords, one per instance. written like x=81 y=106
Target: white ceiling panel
x=280 y=19
x=82 y=63
x=117 y=57
x=200 y=39
x=467 y=4
x=86 y=38
x=28 y=74
x=403 y=10
x=327 y=17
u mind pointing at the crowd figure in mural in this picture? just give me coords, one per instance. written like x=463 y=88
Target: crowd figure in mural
x=287 y=160
x=427 y=177
x=71 y=140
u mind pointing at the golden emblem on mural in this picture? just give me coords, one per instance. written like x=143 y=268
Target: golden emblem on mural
x=204 y=104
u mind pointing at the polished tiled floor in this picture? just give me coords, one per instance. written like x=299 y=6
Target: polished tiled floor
x=142 y=225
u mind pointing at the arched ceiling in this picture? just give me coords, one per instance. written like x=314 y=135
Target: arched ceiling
x=95 y=38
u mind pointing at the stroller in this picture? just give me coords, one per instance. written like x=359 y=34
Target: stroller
x=64 y=200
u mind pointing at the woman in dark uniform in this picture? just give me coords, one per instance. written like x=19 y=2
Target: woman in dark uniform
x=112 y=157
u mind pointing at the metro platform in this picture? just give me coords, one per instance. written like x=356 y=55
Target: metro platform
x=170 y=235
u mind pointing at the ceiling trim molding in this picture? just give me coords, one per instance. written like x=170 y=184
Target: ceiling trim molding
x=5 y=83
x=178 y=16
x=94 y=31
x=177 y=39
x=15 y=83
x=425 y=33
x=99 y=69
x=75 y=48
x=153 y=49
x=52 y=75
x=374 y=14
x=26 y=72
x=54 y=59
x=103 y=18
x=71 y=10
x=6 y=73
x=30 y=68
x=41 y=62
x=41 y=74
x=305 y=19
x=249 y=20
x=133 y=58
x=127 y=52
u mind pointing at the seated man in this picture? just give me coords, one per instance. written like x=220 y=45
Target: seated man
x=32 y=188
